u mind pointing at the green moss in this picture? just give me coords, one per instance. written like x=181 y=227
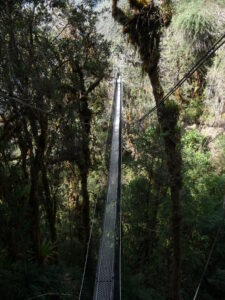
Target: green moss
x=193 y=112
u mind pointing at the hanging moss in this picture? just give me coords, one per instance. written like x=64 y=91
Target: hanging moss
x=144 y=28
x=144 y=31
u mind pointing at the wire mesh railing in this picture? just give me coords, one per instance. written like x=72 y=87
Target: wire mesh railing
x=107 y=281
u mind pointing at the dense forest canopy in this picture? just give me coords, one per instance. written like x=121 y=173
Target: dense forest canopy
x=58 y=59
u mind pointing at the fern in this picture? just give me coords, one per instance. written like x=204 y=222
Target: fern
x=196 y=24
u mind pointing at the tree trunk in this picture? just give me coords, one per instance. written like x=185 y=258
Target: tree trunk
x=50 y=206
x=167 y=115
x=34 y=210
x=34 y=203
x=167 y=118
x=86 y=208
x=84 y=164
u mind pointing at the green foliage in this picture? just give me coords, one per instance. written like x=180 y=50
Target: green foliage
x=214 y=92
x=47 y=251
x=196 y=24
x=171 y=112
x=202 y=196
x=57 y=69
x=40 y=193
x=30 y=280
x=192 y=111
x=144 y=220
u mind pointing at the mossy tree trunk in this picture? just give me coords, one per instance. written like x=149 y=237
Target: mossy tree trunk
x=168 y=117
x=146 y=35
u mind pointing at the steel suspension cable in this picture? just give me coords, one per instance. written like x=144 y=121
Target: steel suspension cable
x=120 y=197
x=107 y=281
x=92 y=222
x=88 y=249
x=210 y=253
x=201 y=61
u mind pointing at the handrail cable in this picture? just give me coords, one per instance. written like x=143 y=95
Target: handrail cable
x=210 y=253
x=91 y=231
x=120 y=198
x=208 y=54
x=107 y=280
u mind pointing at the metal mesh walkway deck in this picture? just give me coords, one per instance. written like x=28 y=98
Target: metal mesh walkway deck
x=107 y=275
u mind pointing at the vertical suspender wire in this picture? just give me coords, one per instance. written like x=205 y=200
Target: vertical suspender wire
x=118 y=235
x=87 y=251
x=117 y=265
x=120 y=194
x=207 y=263
x=110 y=124
x=113 y=287
x=94 y=212
x=210 y=253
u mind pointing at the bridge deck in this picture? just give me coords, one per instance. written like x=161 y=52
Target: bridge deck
x=105 y=277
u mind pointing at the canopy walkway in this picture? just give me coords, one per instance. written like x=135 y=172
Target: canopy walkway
x=107 y=282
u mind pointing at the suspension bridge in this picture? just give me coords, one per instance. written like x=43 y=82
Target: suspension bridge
x=107 y=284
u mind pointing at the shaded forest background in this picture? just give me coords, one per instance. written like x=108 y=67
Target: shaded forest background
x=57 y=62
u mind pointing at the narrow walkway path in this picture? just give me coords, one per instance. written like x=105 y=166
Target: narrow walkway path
x=107 y=275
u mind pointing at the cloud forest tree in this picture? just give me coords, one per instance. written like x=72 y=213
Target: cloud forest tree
x=56 y=75
x=55 y=98
x=144 y=26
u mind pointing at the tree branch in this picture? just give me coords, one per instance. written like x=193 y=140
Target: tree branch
x=136 y=4
x=92 y=87
x=166 y=12
x=64 y=156
x=118 y=14
x=49 y=294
